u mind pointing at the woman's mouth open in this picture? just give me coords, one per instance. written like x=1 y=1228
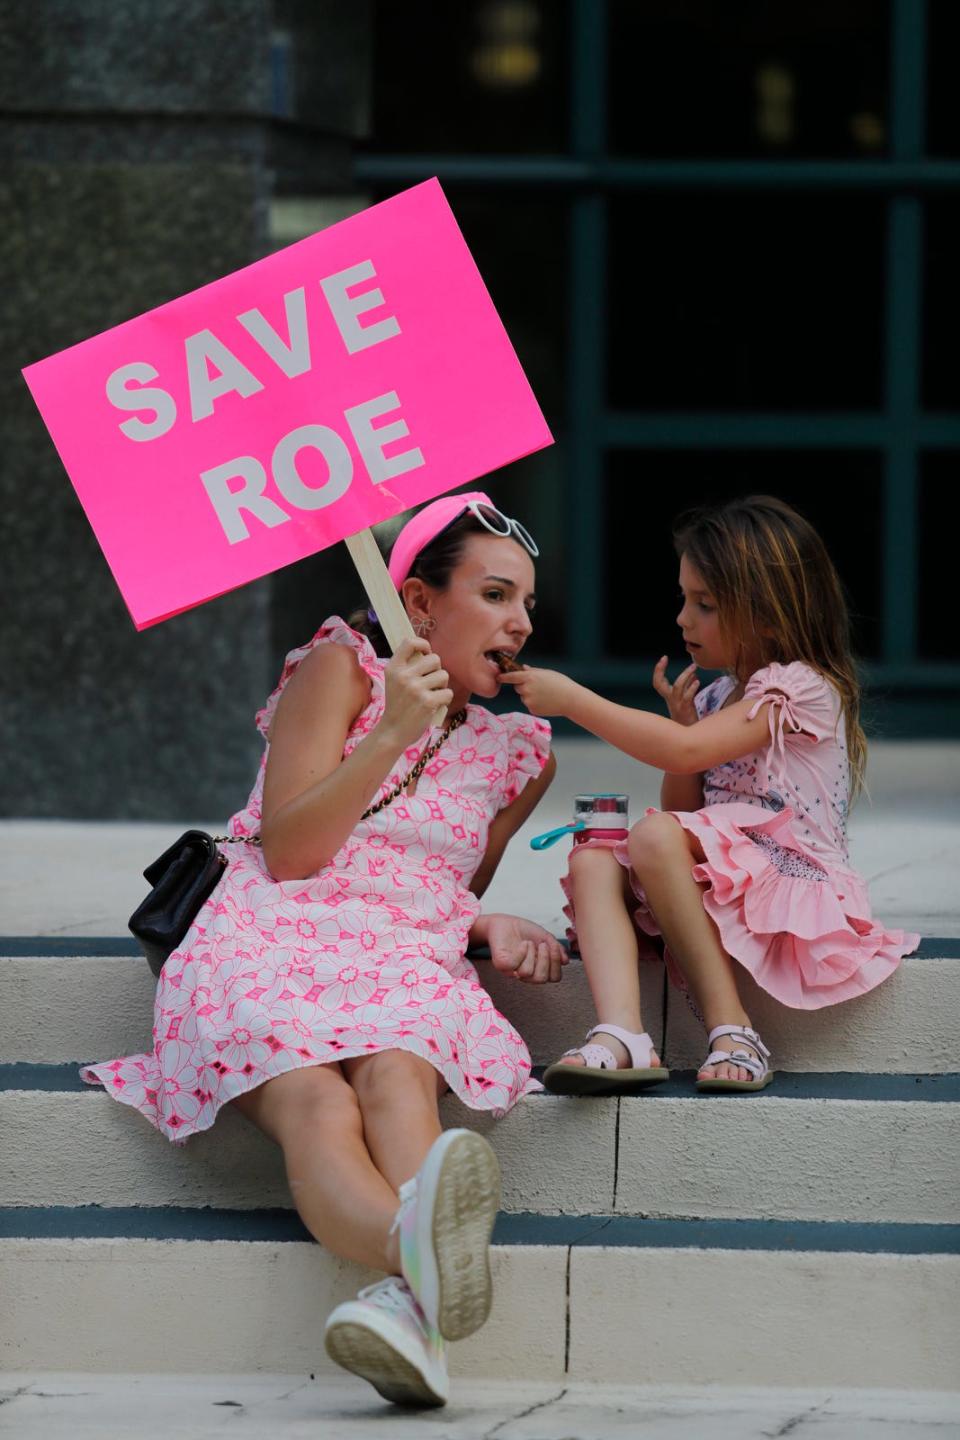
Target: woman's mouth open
x=503 y=661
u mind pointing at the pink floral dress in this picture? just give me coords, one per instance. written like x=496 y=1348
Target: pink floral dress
x=366 y=955
x=776 y=874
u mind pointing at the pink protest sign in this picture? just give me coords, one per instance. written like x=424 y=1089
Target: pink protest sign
x=288 y=405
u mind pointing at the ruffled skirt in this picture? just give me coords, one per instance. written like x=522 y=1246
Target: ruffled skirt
x=803 y=931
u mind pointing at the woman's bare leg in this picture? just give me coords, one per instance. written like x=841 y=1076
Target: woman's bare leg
x=397 y=1093
x=340 y=1195
x=662 y=855
x=608 y=945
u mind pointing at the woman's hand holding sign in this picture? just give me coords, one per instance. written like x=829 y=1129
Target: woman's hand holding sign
x=416 y=687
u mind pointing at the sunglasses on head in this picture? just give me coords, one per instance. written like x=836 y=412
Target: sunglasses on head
x=497 y=523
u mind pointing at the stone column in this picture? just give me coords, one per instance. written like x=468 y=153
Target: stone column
x=135 y=164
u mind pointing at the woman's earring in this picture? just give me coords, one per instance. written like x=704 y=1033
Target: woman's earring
x=424 y=625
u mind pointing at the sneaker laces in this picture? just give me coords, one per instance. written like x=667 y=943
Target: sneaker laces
x=392 y=1294
x=395 y=1294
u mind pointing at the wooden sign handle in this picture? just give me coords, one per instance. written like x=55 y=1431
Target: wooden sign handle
x=382 y=594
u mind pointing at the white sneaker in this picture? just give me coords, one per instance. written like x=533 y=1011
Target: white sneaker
x=445 y=1219
x=382 y=1336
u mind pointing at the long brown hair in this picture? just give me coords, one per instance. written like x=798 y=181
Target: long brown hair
x=774 y=581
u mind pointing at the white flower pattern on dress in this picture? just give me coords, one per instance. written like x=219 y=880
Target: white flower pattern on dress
x=367 y=955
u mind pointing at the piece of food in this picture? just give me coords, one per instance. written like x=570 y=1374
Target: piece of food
x=505 y=662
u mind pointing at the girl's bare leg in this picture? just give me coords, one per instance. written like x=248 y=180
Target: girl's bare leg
x=608 y=946
x=341 y=1196
x=662 y=855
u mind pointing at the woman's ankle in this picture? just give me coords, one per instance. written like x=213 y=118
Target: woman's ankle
x=391 y=1253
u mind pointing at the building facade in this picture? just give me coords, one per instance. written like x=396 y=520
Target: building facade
x=721 y=238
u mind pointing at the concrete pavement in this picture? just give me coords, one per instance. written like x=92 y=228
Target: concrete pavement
x=152 y=1407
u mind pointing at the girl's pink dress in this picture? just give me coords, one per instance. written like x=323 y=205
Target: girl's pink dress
x=366 y=955
x=777 y=876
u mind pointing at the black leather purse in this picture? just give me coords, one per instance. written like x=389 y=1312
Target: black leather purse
x=183 y=877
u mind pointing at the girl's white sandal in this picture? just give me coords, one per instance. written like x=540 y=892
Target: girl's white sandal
x=599 y=1075
x=756 y=1064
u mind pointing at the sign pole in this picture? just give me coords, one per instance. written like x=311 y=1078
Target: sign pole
x=382 y=594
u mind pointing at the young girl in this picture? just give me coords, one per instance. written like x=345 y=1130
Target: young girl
x=748 y=859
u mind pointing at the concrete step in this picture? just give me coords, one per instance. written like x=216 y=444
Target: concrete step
x=598 y=1298
x=68 y=998
x=812 y=1147
x=899 y=1027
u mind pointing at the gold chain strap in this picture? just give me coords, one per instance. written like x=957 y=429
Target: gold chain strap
x=420 y=766
x=414 y=774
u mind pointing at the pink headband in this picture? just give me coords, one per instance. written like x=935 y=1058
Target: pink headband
x=425 y=526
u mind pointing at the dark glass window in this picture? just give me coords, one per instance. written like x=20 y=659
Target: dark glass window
x=941 y=380
x=838 y=492
x=745 y=303
x=750 y=79
x=519 y=242
x=481 y=76
x=943 y=46
x=937 y=545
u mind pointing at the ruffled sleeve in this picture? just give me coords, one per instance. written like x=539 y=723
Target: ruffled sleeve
x=333 y=631
x=803 y=705
x=528 y=746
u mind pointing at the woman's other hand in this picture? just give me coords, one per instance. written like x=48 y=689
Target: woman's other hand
x=416 y=687
x=524 y=949
x=678 y=695
x=544 y=692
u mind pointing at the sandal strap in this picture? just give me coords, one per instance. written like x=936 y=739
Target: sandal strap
x=757 y=1068
x=638 y=1047
x=744 y=1034
x=599 y=1057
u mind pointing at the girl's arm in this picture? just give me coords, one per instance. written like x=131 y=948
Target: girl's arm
x=312 y=798
x=679 y=749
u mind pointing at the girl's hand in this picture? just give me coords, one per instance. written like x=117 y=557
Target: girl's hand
x=544 y=692
x=524 y=949
x=416 y=687
x=679 y=695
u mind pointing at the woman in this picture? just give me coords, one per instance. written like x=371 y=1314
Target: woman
x=323 y=989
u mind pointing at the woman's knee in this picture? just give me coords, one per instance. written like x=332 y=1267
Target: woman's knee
x=316 y=1097
x=654 y=839
x=391 y=1077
